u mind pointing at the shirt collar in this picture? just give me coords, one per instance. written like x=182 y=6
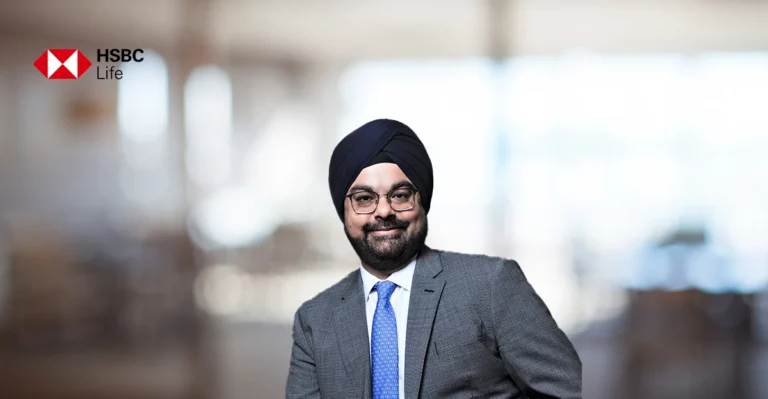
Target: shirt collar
x=403 y=278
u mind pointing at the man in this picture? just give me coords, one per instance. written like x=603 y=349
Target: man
x=413 y=322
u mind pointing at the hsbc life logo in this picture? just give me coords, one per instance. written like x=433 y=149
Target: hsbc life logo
x=71 y=63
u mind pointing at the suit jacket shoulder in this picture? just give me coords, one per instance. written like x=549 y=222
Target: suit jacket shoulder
x=315 y=311
x=478 y=270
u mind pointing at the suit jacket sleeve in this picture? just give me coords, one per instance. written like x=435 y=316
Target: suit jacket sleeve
x=534 y=349
x=302 y=377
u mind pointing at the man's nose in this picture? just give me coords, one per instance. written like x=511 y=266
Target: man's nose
x=383 y=210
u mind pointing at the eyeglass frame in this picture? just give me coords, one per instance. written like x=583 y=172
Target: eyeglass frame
x=378 y=196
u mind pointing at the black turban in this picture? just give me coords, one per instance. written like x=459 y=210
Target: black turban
x=382 y=140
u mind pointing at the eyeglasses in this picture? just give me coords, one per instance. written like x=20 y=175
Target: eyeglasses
x=400 y=199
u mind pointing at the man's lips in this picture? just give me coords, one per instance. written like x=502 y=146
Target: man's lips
x=381 y=232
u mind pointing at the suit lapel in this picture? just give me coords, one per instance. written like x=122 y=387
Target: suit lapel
x=352 y=333
x=426 y=291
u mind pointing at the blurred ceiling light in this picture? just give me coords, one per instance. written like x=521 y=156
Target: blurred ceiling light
x=208 y=125
x=142 y=99
x=233 y=217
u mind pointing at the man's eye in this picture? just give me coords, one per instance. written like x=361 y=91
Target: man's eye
x=363 y=198
x=404 y=194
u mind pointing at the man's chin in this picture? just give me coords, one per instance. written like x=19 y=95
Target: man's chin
x=385 y=247
x=387 y=240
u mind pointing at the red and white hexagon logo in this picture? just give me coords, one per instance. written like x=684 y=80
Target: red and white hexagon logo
x=62 y=63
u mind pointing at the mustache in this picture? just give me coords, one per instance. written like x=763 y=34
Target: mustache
x=385 y=224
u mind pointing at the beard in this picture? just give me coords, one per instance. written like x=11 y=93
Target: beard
x=389 y=253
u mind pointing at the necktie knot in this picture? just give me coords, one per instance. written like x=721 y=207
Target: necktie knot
x=385 y=289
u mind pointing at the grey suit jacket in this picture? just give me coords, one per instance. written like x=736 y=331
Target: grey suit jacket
x=476 y=328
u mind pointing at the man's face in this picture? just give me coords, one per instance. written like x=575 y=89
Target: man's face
x=386 y=238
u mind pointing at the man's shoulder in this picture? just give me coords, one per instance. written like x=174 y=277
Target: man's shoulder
x=463 y=260
x=320 y=303
x=474 y=266
x=454 y=256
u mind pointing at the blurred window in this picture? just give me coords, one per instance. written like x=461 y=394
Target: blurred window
x=208 y=126
x=146 y=172
x=142 y=99
x=622 y=149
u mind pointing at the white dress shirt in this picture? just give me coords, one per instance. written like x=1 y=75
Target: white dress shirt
x=399 y=300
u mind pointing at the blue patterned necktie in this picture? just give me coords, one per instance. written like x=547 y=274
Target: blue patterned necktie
x=384 y=345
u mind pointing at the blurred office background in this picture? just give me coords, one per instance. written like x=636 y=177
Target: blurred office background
x=158 y=232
